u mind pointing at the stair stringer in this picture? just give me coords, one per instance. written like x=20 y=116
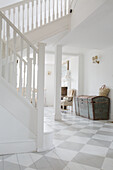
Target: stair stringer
x=18 y=106
x=50 y=29
x=45 y=31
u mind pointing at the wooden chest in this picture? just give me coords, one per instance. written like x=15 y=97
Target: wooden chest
x=96 y=108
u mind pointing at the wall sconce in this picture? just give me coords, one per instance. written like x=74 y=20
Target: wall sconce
x=49 y=73
x=95 y=59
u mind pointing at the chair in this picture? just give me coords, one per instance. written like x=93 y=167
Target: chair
x=68 y=100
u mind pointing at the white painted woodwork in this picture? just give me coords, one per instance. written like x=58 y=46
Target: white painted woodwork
x=13 y=60
x=20 y=76
x=40 y=97
x=46 y=11
x=19 y=18
x=0 y=46
x=58 y=64
x=34 y=73
x=10 y=140
x=53 y=10
x=51 y=29
x=28 y=74
x=20 y=108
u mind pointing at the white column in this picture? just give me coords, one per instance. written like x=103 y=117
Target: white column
x=0 y=46
x=40 y=97
x=58 y=64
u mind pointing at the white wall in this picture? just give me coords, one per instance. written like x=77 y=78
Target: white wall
x=73 y=63
x=95 y=75
x=49 y=79
x=49 y=84
x=83 y=9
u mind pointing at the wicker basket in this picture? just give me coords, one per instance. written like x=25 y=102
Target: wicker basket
x=104 y=91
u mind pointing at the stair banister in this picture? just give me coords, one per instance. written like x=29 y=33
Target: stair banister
x=0 y=46
x=36 y=12
x=25 y=80
x=18 y=32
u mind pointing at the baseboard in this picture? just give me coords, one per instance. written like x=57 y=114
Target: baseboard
x=17 y=147
x=48 y=142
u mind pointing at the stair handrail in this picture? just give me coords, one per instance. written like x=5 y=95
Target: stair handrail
x=22 y=3
x=11 y=38
x=16 y=53
x=18 y=32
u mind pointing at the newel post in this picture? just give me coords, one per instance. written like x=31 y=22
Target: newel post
x=0 y=46
x=40 y=97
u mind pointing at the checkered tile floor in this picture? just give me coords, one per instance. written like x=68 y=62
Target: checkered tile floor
x=80 y=144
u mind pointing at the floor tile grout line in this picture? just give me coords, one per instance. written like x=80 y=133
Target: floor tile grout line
x=33 y=161
x=3 y=162
x=48 y=162
x=18 y=161
x=59 y=157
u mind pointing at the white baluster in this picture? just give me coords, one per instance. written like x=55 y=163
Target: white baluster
x=7 y=53
x=61 y=9
x=45 y=3
x=53 y=10
x=18 y=17
x=40 y=12
x=8 y=15
x=15 y=60
x=4 y=30
x=21 y=58
x=57 y=9
x=32 y=14
x=65 y=6
x=36 y=13
x=0 y=46
x=69 y=6
x=24 y=78
x=23 y=18
x=28 y=17
x=49 y=10
x=14 y=16
x=10 y=66
x=34 y=62
x=28 y=74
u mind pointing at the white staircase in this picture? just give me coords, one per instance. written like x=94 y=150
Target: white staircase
x=21 y=70
x=18 y=89
x=22 y=26
x=37 y=19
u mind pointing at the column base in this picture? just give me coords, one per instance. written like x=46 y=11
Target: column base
x=47 y=141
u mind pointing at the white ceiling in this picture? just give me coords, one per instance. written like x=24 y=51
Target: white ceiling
x=96 y=32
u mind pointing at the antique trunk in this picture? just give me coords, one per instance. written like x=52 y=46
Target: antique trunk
x=96 y=108
x=99 y=108
x=83 y=106
x=77 y=106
